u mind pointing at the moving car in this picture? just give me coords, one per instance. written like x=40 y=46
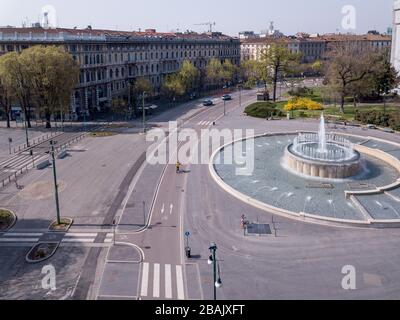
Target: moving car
x=208 y=102
x=226 y=97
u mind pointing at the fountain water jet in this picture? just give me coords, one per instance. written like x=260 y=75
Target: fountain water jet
x=323 y=155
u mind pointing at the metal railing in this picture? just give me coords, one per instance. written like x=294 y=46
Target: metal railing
x=25 y=168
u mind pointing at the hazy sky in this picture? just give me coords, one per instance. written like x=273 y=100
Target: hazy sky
x=231 y=16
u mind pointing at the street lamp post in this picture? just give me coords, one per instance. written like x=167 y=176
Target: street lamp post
x=9 y=144
x=224 y=107
x=144 y=113
x=26 y=131
x=240 y=97
x=217 y=283
x=52 y=143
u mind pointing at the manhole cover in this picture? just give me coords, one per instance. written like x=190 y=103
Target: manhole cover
x=258 y=228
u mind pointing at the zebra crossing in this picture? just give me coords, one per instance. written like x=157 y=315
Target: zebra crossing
x=205 y=123
x=85 y=238
x=14 y=237
x=160 y=281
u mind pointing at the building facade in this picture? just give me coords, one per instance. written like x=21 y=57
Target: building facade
x=395 y=54
x=312 y=48
x=111 y=60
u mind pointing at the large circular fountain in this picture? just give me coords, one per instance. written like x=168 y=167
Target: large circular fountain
x=322 y=155
x=360 y=176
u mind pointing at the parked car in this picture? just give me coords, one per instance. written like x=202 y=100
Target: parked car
x=208 y=103
x=226 y=97
x=388 y=130
x=370 y=126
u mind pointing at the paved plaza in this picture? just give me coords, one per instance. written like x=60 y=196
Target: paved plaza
x=106 y=179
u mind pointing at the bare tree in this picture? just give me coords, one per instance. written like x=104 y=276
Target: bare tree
x=347 y=64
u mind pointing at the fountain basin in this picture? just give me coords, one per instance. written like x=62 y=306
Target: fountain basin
x=320 y=168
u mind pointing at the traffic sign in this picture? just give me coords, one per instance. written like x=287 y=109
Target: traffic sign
x=187 y=234
x=10 y=140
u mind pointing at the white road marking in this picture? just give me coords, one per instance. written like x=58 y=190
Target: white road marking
x=71 y=235
x=163 y=208
x=171 y=207
x=23 y=234
x=19 y=239
x=145 y=279
x=83 y=240
x=108 y=240
x=168 y=282
x=156 y=281
x=179 y=283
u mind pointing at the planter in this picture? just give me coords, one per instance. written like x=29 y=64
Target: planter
x=7 y=219
x=66 y=223
x=41 y=251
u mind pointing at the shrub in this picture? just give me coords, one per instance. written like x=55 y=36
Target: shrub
x=301 y=92
x=379 y=118
x=263 y=110
x=302 y=104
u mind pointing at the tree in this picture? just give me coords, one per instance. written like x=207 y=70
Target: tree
x=173 y=86
x=229 y=71
x=54 y=75
x=119 y=106
x=140 y=86
x=385 y=77
x=214 y=70
x=346 y=66
x=277 y=61
x=189 y=75
x=5 y=102
x=250 y=72
x=219 y=72
x=183 y=81
x=17 y=81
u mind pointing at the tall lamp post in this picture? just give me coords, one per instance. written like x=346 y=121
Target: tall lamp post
x=144 y=112
x=212 y=260
x=26 y=130
x=52 y=143
x=240 y=93
x=224 y=107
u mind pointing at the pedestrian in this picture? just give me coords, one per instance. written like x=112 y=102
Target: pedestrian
x=178 y=167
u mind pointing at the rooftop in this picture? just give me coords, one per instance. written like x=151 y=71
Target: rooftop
x=59 y=34
x=321 y=38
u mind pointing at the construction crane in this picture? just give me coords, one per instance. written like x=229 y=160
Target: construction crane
x=209 y=24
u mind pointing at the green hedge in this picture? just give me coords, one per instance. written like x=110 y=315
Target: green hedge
x=379 y=118
x=263 y=110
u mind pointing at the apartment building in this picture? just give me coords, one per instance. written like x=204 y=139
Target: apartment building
x=111 y=60
x=312 y=48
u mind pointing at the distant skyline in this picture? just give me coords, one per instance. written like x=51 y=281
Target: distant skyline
x=289 y=16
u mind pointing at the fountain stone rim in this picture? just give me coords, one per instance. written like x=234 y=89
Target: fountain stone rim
x=355 y=158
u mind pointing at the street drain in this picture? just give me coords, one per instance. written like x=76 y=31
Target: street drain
x=258 y=229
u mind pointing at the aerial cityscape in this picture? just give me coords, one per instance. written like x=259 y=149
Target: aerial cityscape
x=196 y=160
